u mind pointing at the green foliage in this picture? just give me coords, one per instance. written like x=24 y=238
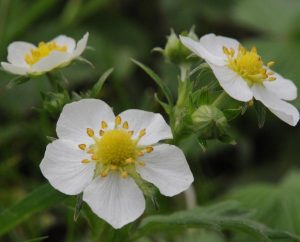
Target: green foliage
x=40 y=199
x=276 y=205
x=222 y=216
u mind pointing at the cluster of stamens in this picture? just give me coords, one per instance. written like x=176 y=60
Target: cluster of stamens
x=115 y=150
x=43 y=50
x=249 y=65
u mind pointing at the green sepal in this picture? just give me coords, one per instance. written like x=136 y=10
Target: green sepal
x=260 y=110
x=17 y=81
x=96 y=89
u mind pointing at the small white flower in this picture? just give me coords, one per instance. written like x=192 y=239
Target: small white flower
x=27 y=59
x=96 y=153
x=243 y=75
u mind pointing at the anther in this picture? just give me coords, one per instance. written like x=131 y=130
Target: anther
x=103 y=173
x=125 y=125
x=113 y=167
x=85 y=161
x=82 y=146
x=149 y=149
x=90 y=132
x=118 y=120
x=130 y=132
x=253 y=49
x=226 y=51
x=124 y=174
x=129 y=160
x=141 y=163
x=272 y=78
x=142 y=133
x=270 y=63
x=94 y=157
x=101 y=132
x=90 y=151
x=103 y=125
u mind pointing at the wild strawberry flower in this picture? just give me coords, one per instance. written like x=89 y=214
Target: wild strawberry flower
x=27 y=59
x=99 y=154
x=243 y=74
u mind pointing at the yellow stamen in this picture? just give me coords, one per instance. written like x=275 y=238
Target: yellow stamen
x=43 y=50
x=103 y=125
x=142 y=133
x=149 y=149
x=85 y=161
x=94 y=157
x=101 y=132
x=82 y=146
x=125 y=125
x=141 y=163
x=249 y=65
x=130 y=160
x=113 y=167
x=124 y=174
x=90 y=132
x=130 y=132
x=118 y=120
x=91 y=151
x=270 y=64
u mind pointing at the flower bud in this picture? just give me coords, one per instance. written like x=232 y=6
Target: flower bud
x=209 y=122
x=174 y=50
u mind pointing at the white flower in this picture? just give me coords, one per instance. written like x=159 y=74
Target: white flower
x=243 y=75
x=98 y=154
x=27 y=59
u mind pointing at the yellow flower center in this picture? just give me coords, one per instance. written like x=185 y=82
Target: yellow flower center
x=43 y=50
x=249 y=65
x=115 y=150
x=115 y=147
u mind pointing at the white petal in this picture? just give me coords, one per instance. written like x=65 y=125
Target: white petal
x=282 y=88
x=156 y=127
x=18 y=70
x=214 y=44
x=166 y=167
x=76 y=117
x=283 y=110
x=63 y=168
x=81 y=45
x=117 y=200
x=232 y=83
x=52 y=61
x=63 y=40
x=17 y=51
x=200 y=50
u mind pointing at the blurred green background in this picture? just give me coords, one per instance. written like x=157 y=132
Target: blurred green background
x=251 y=172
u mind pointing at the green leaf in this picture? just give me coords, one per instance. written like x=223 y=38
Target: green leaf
x=260 y=113
x=165 y=90
x=166 y=107
x=42 y=198
x=17 y=81
x=276 y=205
x=99 y=84
x=221 y=216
